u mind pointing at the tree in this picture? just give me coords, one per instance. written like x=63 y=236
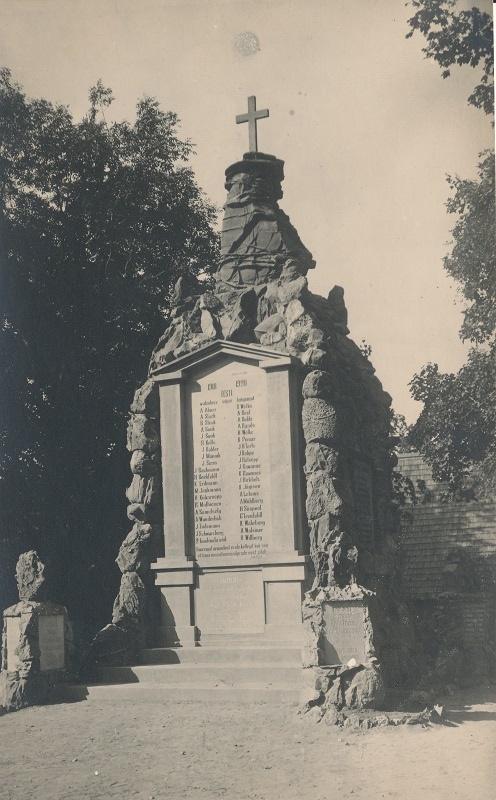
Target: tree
x=456 y=430
x=98 y=220
x=463 y=37
x=471 y=261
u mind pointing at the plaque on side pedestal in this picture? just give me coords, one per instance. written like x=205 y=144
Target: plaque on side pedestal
x=344 y=631
x=52 y=642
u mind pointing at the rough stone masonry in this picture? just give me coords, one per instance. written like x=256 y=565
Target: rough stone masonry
x=36 y=641
x=261 y=295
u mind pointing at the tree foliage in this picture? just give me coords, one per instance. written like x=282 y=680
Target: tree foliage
x=463 y=37
x=400 y=431
x=472 y=258
x=98 y=221
x=456 y=430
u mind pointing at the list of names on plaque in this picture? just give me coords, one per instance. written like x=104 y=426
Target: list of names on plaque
x=230 y=455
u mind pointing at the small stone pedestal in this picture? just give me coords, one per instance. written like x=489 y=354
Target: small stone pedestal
x=36 y=642
x=341 y=668
x=338 y=626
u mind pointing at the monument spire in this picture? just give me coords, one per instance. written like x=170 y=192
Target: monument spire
x=251 y=118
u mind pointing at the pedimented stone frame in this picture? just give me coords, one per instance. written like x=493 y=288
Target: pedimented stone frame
x=284 y=571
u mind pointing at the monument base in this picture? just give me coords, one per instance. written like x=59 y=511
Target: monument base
x=260 y=601
x=178 y=636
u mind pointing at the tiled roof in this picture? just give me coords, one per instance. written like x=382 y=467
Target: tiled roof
x=439 y=528
x=412 y=466
x=436 y=530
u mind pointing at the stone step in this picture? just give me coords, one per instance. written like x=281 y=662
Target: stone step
x=273 y=654
x=155 y=693
x=244 y=639
x=210 y=674
x=226 y=669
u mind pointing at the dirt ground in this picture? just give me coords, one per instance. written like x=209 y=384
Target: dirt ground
x=169 y=751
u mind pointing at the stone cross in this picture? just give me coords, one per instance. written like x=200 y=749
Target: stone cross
x=251 y=118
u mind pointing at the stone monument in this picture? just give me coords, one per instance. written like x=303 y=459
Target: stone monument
x=262 y=462
x=36 y=641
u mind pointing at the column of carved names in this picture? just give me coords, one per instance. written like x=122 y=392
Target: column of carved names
x=207 y=487
x=251 y=502
x=230 y=467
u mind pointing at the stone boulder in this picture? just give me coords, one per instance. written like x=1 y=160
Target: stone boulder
x=366 y=689
x=134 y=554
x=30 y=577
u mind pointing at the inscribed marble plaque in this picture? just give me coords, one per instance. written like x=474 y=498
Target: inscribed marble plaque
x=364 y=501
x=230 y=602
x=344 y=634
x=230 y=463
x=51 y=638
x=13 y=637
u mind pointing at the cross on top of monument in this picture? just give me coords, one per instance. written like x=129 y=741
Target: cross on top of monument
x=251 y=118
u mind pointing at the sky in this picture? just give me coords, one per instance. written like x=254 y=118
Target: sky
x=366 y=126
